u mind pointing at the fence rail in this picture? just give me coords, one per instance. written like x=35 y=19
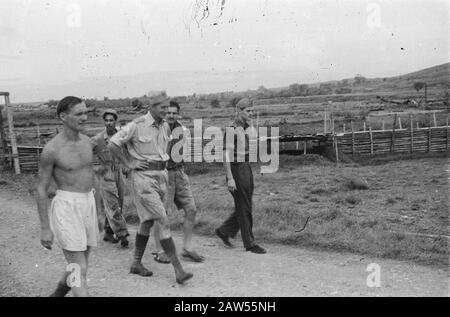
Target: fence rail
x=422 y=140
x=360 y=143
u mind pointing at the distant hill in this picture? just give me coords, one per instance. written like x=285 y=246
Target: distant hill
x=436 y=77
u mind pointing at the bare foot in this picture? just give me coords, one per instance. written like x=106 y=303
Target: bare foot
x=183 y=277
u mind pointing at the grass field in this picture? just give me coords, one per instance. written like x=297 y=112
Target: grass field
x=365 y=209
x=375 y=209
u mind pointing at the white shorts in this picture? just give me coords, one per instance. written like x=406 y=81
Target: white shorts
x=73 y=220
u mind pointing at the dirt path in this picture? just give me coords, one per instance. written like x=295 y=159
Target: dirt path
x=26 y=269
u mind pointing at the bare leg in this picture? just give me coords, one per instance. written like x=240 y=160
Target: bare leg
x=156 y=235
x=62 y=289
x=188 y=229
x=160 y=255
x=79 y=274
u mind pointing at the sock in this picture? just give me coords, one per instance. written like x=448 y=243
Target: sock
x=140 y=244
x=169 y=248
x=61 y=290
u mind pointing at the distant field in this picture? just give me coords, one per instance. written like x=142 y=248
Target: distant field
x=290 y=115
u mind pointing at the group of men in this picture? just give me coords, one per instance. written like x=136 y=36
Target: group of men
x=143 y=149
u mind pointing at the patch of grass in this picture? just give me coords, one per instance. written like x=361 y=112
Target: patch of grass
x=390 y=201
x=356 y=183
x=202 y=168
x=321 y=191
x=352 y=200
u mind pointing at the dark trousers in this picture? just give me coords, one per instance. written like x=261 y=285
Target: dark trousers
x=241 y=218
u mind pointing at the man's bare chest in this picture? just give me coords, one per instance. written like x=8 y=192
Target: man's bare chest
x=74 y=156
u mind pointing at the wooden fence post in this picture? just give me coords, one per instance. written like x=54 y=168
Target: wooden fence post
x=434 y=119
x=39 y=141
x=324 y=122
x=3 y=145
x=353 y=139
x=393 y=135
x=399 y=123
x=429 y=133
x=335 y=141
x=412 y=133
x=446 y=134
x=371 y=140
x=12 y=135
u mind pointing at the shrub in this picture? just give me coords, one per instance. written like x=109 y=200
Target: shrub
x=215 y=103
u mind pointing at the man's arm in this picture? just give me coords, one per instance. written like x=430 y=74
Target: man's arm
x=120 y=186
x=46 y=165
x=99 y=169
x=121 y=139
x=226 y=164
x=118 y=153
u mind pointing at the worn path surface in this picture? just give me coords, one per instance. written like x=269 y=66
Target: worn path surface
x=26 y=269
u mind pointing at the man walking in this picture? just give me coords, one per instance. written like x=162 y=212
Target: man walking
x=147 y=139
x=239 y=178
x=111 y=182
x=179 y=192
x=72 y=219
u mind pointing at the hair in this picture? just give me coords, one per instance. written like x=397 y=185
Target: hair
x=66 y=104
x=243 y=103
x=174 y=104
x=109 y=114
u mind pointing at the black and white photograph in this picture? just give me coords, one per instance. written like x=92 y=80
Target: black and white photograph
x=224 y=154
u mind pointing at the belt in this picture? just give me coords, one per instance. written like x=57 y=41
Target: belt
x=175 y=167
x=154 y=166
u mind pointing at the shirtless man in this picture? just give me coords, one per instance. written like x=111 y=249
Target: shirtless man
x=72 y=218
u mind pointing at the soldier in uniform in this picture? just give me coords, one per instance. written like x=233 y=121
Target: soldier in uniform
x=111 y=182
x=239 y=178
x=146 y=139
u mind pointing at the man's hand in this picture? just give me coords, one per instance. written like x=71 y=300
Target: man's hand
x=46 y=238
x=231 y=185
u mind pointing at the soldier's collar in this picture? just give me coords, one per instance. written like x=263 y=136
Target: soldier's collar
x=105 y=134
x=150 y=121
x=240 y=123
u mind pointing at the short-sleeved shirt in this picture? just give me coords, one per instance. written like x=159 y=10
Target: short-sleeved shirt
x=145 y=139
x=105 y=158
x=171 y=164
x=238 y=150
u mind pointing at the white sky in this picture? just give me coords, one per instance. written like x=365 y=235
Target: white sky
x=40 y=42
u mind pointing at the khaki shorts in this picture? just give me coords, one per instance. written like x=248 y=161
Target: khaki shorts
x=149 y=189
x=179 y=191
x=73 y=220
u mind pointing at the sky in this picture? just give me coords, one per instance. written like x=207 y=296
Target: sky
x=53 y=43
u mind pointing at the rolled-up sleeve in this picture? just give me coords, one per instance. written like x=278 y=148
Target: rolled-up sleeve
x=124 y=135
x=94 y=143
